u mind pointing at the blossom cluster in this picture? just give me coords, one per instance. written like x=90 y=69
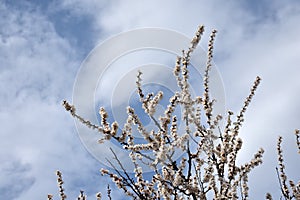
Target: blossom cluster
x=209 y=161
x=208 y=166
x=291 y=190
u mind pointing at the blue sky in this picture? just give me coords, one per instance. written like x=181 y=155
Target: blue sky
x=42 y=46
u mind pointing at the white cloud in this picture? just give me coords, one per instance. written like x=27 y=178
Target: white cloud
x=38 y=68
x=17 y=173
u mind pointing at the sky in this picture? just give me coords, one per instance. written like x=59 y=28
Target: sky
x=44 y=43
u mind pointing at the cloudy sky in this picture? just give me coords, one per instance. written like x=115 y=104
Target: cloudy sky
x=42 y=46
